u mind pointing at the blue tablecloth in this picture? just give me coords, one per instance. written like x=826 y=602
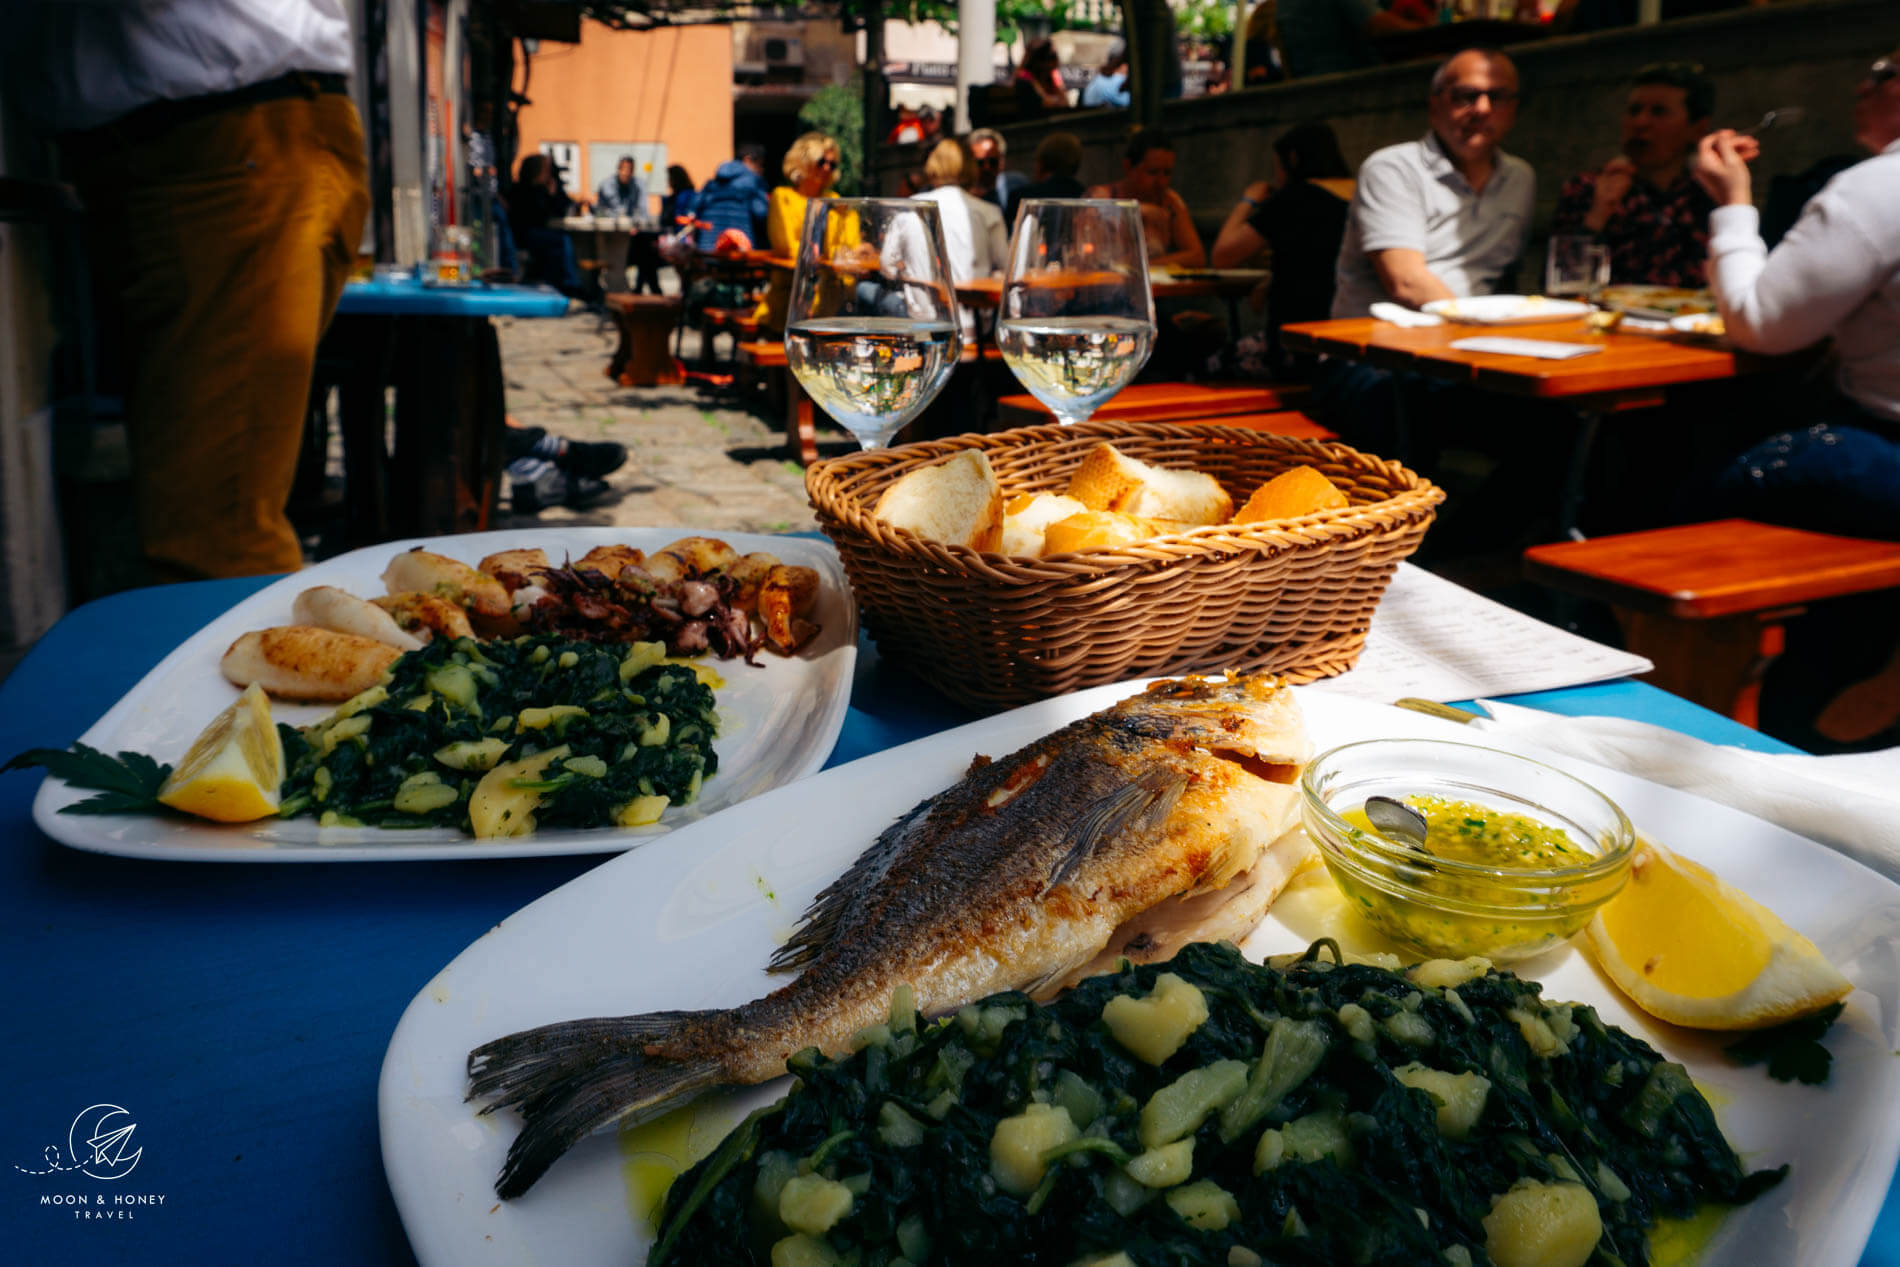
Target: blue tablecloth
x=407 y=297
x=239 y=1014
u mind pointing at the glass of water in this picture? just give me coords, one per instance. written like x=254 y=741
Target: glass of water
x=1577 y=266
x=1077 y=320
x=871 y=330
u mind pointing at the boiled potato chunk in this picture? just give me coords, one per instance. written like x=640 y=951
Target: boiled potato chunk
x=496 y=808
x=1204 y=1206
x=1163 y=1167
x=1018 y=1143
x=1460 y=1096
x=804 y=1251
x=472 y=754
x=1542 y=1225
x=1152 y=1029
x=813 y=1203
x=1180 y=1107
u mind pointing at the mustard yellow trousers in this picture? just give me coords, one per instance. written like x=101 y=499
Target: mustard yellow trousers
x=225 y=242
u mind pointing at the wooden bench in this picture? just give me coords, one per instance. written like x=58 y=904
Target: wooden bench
x=1165 y=402
x=644 y=322
x=801 y=429
x=1707 y=603
x=713 y=322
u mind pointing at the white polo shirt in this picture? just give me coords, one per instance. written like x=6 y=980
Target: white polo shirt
x=1410 y=197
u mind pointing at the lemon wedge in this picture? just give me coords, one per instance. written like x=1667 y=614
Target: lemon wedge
x=235 y=768
x=1690 y=949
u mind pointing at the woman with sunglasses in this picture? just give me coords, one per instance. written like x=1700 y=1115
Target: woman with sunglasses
x=811 y=165
x=1837 y=468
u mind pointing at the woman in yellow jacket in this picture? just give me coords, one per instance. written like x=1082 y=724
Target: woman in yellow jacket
x=811 y=165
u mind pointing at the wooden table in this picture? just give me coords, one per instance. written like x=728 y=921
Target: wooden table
x=1634 y=371
x=985 y=293
x=436 y=346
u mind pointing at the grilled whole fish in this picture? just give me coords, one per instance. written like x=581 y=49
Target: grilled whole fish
x=1030 y=871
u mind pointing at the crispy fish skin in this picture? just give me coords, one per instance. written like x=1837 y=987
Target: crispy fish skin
x=1016 y=878
x=299 y=662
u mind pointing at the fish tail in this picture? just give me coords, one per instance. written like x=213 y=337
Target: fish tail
x=572 y=1078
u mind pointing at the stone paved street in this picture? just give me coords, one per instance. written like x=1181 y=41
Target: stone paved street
x=696 y=457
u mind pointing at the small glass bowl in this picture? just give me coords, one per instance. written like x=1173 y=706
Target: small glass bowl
x=1449 y=907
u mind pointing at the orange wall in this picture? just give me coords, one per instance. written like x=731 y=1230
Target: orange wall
x=672 y=85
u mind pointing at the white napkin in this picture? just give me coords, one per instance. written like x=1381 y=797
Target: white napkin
x=1546 y=349
x=1849 y=803
x=1402 y=316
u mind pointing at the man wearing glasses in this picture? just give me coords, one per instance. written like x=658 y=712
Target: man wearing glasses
x=1643 y=204
x=1445 y=216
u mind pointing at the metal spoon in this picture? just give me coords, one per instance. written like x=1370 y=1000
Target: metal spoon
x=1399 y=821
x=1780 y=118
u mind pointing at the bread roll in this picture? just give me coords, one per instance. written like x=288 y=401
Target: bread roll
x=1098 y=530
x=1025 y=519
x=1109 y=479
x=1298 y=491
x=957 y=502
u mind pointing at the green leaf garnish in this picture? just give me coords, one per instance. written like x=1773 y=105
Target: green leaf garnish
x=126 y=784
x=1793 y=1051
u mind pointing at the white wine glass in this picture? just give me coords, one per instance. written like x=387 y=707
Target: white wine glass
x=1078 y=319
x=871 y=330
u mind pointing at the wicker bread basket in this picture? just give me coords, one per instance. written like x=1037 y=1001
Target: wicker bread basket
x=1290 y=596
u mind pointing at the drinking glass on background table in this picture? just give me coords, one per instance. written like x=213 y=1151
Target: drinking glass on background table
x=871 y=330
x=1577 y=266
x=1077 y=319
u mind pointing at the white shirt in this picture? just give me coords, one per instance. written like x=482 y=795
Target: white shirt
x=973 y=237
x=1410 y=197
x=76 y=66
x=1836 y=273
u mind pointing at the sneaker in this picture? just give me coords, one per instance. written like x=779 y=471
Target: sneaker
x=583 y=490
x=592 y=458
x=534 y=484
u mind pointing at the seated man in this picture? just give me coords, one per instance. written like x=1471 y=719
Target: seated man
x=620 y=194
x=1645 y=204
x=1445 y=216
x=1057 y=159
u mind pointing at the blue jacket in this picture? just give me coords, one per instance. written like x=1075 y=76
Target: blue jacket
x=733 y=199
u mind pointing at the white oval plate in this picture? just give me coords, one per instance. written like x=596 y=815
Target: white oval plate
x=1506 y=310
x=689 y=922
x=778 y=721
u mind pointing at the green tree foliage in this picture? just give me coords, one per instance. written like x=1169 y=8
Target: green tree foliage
x=838 y=111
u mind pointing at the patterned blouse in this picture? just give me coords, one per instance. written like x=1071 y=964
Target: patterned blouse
x=1658 y=237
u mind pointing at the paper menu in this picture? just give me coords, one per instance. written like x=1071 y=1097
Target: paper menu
x=1436 y=640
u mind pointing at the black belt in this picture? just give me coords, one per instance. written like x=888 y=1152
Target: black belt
x=148 y=123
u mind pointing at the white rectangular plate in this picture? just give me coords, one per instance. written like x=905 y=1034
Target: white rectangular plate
x=690 y=921
x=777 y=722
x=1506 y=310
